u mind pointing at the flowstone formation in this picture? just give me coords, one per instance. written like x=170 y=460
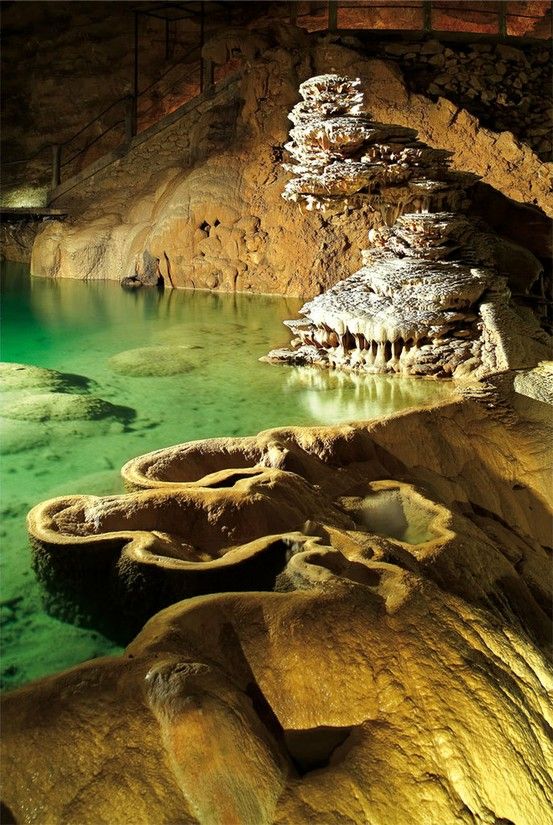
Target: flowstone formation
x=428 y=299
x=399 y=672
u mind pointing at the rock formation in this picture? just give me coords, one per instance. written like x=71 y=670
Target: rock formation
x=215 y=219
x=536 y=383
x=384 y=654
x=407 y=633
x=506 y=87
x=38 y=404
x=428 y=300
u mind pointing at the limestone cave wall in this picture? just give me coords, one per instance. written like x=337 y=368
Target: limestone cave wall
x=62 y=67
x=203 y=196
x=198 y=203
x=505 y=87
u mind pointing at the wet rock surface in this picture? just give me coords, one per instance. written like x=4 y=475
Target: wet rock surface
x=152 y=361
x=411 y=598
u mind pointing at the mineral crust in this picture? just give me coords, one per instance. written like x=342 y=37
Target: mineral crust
x=428 y=299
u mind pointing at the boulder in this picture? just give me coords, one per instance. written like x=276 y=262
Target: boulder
x=145 y=362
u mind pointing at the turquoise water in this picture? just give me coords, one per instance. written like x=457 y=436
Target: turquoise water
x=76 y=328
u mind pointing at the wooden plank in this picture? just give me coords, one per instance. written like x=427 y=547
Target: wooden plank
x=332 y=15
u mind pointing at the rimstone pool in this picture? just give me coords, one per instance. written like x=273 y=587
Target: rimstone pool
x=136 y=371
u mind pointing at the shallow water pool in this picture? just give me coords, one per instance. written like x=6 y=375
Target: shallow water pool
x=220 y=388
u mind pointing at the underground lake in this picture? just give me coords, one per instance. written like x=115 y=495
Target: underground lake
x=136 y=371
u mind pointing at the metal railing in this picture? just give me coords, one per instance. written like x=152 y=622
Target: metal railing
x=499 y=18
x=130 y=117
x=380 y=16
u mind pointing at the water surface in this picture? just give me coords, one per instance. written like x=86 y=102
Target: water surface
x=77 y=327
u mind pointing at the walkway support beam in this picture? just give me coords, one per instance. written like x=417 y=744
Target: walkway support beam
x=332 y=15
x=427 y=16
x=208 y=74
x=56 y=165
x=503 y=19
x=293 y=6
x=135 y=78
x=130 y=121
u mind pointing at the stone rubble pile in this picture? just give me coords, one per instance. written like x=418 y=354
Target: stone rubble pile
x=428 y=300
x=506 y=88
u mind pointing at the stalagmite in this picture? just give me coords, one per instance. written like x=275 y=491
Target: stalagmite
x=428 y=299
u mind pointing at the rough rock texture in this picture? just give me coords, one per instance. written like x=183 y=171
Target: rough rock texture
x=536 y=383
x=496 y=156
x=505 y=87
x=405 y=646
x=16 y=240
x=429 y=299
x=342 y=156
x=203 y=196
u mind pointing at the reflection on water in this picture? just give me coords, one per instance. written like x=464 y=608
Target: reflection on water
x=76 y=328
x=331 y=396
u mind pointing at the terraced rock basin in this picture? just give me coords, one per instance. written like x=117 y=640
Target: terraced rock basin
x=400 y=513
x=112 y=562
x=59 y=337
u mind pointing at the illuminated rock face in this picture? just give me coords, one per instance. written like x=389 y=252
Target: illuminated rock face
x=428 y=299
x=216 y=220
x=399 y=673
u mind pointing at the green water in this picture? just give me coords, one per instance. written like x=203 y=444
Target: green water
x=76 y=327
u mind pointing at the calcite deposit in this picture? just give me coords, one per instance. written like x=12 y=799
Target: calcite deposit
x=144 y=362
x=399 y=672
x=201 y=199
x=428 y=299
x=39 y=404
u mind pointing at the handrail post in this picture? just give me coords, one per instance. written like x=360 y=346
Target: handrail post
x=56 y=165
x=202 y=40
x=135 y=77
x=427 y=16
x=503 y=19
x=293 y=12
x=332 y=15
x=130 y=118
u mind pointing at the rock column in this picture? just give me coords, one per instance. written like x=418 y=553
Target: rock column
x=428 y=300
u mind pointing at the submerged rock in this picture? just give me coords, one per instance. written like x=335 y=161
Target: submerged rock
x=16 y=436
x=26 y=376
x=39 y=404
x=56 y=406
x=147 y=362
